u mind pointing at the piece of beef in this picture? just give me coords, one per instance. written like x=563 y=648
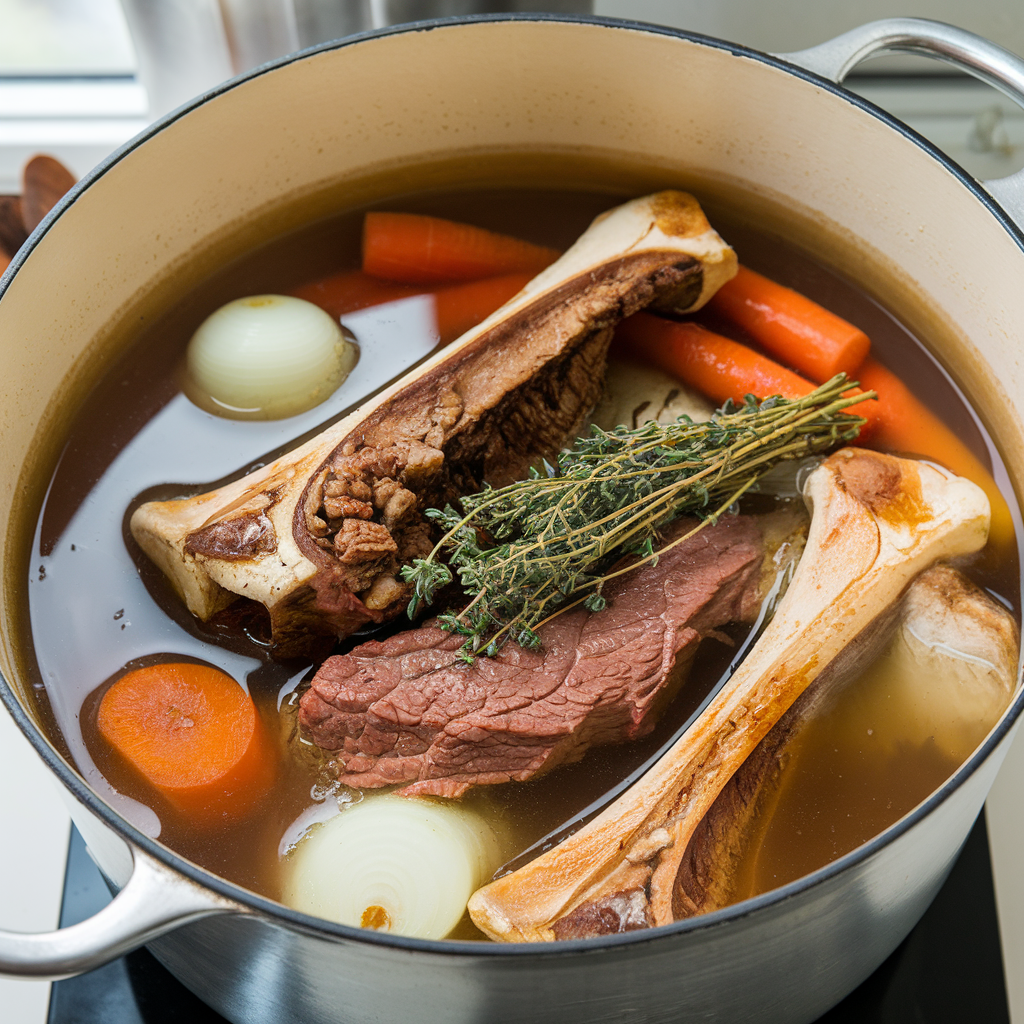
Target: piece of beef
x=408 y=710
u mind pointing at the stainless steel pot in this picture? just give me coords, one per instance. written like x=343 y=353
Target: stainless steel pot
x=275 y=148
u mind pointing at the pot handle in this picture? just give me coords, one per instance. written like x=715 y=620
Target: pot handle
x=1000 y=68
x=154 y=901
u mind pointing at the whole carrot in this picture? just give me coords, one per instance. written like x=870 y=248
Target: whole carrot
x=415 y=249
x=194 y=735
x=716 y=366
x=791 y=327
x=905 y=424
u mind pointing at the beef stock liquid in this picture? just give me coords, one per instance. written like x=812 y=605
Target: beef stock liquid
x=98 y=608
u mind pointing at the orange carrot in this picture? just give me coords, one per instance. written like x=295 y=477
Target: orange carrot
x=723 y=369
x=457 y=307
x=905 y=424
x=464 y=306
x=791 y=327
x=351 y=290
x=194 y=735
x=718 y=367
x=414 y=249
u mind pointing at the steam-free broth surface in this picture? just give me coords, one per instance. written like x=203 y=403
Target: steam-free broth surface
x=99 y=607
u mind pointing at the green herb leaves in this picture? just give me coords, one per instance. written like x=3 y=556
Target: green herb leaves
x=540 y=545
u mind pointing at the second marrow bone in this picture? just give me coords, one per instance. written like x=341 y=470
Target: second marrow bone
x=948 y=671
x=252 y=537
x=877 y=521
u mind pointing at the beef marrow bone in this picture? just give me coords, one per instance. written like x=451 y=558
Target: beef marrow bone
x=876 y=522
x=949 y=661
x=318 y=536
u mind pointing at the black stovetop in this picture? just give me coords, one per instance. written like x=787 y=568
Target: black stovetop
x=947 y=971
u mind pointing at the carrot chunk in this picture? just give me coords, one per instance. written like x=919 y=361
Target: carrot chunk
x=194 y=735
x=905 y=424
x=350 y=290
x=723 y=369
x=462 y=307
x=457 y=308
x=791 y=327
x=414 y=249
x=718 y=367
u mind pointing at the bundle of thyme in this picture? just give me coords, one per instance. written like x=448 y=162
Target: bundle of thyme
x=524 y=550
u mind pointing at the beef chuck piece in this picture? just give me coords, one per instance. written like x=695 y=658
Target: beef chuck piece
x=408 y=710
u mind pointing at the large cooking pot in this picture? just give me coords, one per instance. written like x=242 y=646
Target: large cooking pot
x=555 y=99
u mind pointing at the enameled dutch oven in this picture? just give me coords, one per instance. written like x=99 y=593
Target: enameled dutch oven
x=535 y=100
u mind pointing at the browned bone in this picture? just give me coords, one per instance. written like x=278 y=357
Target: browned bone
x=876 y=522
x=318 y=537
x=950 y=668
x=44 y=181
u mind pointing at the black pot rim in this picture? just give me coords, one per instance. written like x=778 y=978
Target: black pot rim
x=306 y=923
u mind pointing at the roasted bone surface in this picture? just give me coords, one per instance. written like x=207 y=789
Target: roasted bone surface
x=318 y=537
x=877 y=521
x=408 y=711
x=949 y=662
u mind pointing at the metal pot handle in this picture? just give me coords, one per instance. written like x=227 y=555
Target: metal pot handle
x=835 y=59
x=155 y=900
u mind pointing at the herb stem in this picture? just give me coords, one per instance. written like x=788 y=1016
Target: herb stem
x=554 y=536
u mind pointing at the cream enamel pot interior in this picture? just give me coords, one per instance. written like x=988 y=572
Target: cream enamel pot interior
x=433 y=104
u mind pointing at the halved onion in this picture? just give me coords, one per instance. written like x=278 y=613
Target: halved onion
x=395 y=864
x=267 y=357
x=634 y=394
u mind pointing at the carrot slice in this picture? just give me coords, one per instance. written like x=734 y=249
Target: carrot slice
x=463 y=306
x=350 y=290
x=718 y=367
x=194 y=735
x=791 y=327
x=905 y=424
x=414 y=249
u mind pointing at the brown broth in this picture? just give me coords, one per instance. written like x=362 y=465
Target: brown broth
x=99 y=608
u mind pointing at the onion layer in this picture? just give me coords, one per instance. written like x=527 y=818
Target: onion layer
x=267 y=357
x=395 y=864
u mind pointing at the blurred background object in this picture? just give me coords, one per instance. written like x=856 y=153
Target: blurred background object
x=186 y=46
x=80 y=77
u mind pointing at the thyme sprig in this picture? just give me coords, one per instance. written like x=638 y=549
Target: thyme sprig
x=524 y=550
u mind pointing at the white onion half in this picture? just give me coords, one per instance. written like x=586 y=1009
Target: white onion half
x=267 y=357
x=393 y=863
x=635 y=393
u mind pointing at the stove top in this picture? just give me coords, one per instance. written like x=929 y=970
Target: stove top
x=947 y=971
